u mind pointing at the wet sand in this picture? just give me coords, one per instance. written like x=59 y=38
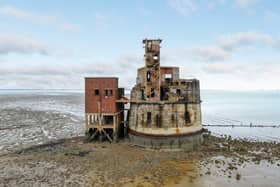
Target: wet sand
x=72 y=162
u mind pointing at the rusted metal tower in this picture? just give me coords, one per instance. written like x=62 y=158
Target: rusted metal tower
x=152 y=69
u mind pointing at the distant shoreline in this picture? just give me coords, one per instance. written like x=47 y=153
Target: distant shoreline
x=203 y=90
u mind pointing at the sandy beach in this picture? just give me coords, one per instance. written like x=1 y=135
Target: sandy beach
x=74 y=162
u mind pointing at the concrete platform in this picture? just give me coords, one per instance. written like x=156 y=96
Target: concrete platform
x=181 y=142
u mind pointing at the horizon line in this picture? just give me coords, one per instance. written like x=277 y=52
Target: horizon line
x=3 y=89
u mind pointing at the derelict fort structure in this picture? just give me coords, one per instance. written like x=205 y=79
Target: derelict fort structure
x=164 y=110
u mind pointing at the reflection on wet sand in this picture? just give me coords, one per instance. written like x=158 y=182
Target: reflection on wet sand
x=221 y=171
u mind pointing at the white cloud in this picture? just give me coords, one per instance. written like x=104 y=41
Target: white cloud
x=241 y=76
x=229 y=44
x=209 y=53
x=232 y=42
x=187 y=7
x=122 y=64
x=11 y=43
x=41 y=82
x=129 y=61
x=37 y=18
x=183 y=7
x=62 y=69
x=221 y=68
x=244 y=3
x=214 y=3
x=70 y=76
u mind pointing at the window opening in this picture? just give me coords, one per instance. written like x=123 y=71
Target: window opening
x=96 y=92
x=149 y=117
x=187 y=117
x=148 y=76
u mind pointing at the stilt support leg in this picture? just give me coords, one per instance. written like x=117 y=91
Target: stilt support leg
x=107 y=135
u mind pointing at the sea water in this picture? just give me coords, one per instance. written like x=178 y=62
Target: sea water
x=242 y=108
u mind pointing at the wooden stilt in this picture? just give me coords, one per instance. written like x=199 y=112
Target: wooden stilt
x=100 y=136
x=114 y=129
x=107 y=135
x=93 y=135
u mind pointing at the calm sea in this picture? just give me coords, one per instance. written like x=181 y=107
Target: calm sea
x=242 y=108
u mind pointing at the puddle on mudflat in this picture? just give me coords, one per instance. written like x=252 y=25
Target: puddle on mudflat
x=216 y=172
x=220 y=172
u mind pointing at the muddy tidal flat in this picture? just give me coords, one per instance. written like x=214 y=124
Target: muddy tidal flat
x=73 y=162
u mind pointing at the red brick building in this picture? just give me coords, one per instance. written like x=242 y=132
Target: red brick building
x=103 y=114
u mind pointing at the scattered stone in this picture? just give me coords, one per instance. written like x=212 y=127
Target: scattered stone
x=217 y=162
x=238 y=176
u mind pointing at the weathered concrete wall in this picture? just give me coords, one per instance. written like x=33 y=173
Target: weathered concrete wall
x=189 y=142
x=171 y=125
x=167 y=115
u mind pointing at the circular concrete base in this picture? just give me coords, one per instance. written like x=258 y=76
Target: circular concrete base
x=182 y=142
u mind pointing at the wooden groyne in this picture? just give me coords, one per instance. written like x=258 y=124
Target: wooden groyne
x=250 y=125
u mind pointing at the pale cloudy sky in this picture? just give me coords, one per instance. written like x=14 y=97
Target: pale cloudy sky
x=226 y=44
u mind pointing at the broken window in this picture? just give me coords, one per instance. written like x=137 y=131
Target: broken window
x=164 y=93
x=158 y=120
x=148 y=76
x=187 y=117
x=142 y=94
x=167 y=78
x=152 y=92
x=149 y=117
x=172 y=118
x=96 y=92
x=108 y=92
